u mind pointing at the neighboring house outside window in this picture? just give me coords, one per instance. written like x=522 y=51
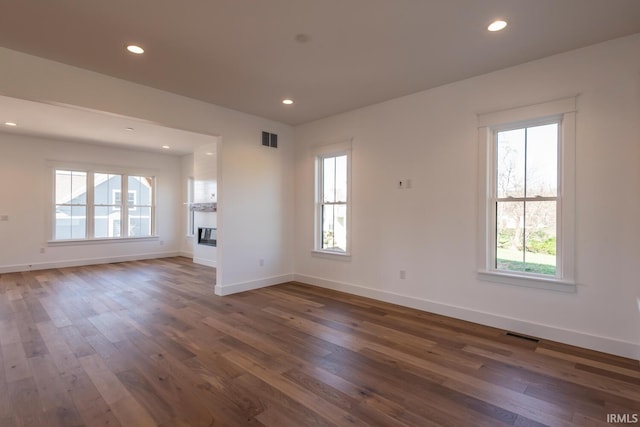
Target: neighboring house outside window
x=140 y=206
x=333 y=173
x=117 y=198
x=527 y=195
x=107 y=192
x=89 y=205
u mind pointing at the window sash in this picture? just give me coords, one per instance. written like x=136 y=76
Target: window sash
x=525 y=199
x=325 y=231
x=82 y=216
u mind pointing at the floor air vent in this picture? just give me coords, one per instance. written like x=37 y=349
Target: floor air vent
x=522 y=337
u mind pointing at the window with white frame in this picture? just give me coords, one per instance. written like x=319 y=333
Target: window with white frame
x=70 y=208
x=107 y=203
x=89 y=205
x=332 y=199
x=527 y=195
x=140 y=207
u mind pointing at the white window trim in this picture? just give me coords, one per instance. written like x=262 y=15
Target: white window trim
x=90 y=170
x=100 y=240
x=320 y=152
x=487 y=125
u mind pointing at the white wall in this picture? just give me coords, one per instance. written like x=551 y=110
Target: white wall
x=186 y=172
x=205 y=175
x=26 y=184
x=430 y=230
x=249 y=175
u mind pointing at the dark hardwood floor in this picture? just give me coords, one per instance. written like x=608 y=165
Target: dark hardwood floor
x=148 y=344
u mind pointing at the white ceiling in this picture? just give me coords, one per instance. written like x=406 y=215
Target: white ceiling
x=242 y=54
x=95 y=127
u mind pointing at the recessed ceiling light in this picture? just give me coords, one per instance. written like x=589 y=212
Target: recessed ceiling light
x=10 y=124
x=287 y=101
x=135 y=49
x=166 y=147
x=497 y=25
x=209 y=154
x=129 y=129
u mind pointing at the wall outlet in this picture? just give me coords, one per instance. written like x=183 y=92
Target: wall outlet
x=404 y=184
x=42 y=250
x=261 y=262
x=403 y=274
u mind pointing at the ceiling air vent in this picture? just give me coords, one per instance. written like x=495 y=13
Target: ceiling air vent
x=269 y=139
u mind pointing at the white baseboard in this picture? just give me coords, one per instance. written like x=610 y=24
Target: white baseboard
x=204 y=261
x=186 y=254
x=234 y=288
x=553 y=333
x=84 y=261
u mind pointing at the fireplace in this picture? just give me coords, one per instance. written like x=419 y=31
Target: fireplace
x=207 y=236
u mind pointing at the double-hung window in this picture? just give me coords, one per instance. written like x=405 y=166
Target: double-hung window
x=107 y=205
x=140 y=206
x=527 y=195
x=70 y=205
x=89 y=205
x=525 y=198
x=332 y=199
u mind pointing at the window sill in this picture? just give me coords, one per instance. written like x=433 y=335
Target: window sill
x=551 y=284
x=73 y=242
x=343 y=256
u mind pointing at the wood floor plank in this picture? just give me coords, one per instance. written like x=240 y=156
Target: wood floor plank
x=57 y=347
x=107 y=383
x=56 y=403
x=607 y=367
x=320 y=406
x=5 y=404
x=9 y=333
x=277 y=408
x=147 y=343
x=56 y=314
x=16 y=366
x=371 y=409
x=78 y=345
x=92 y=408
x=193 y=397
x=111 y=326
x=30 y=336
x=561 y=369
x=25 y=402
x=131 y=413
